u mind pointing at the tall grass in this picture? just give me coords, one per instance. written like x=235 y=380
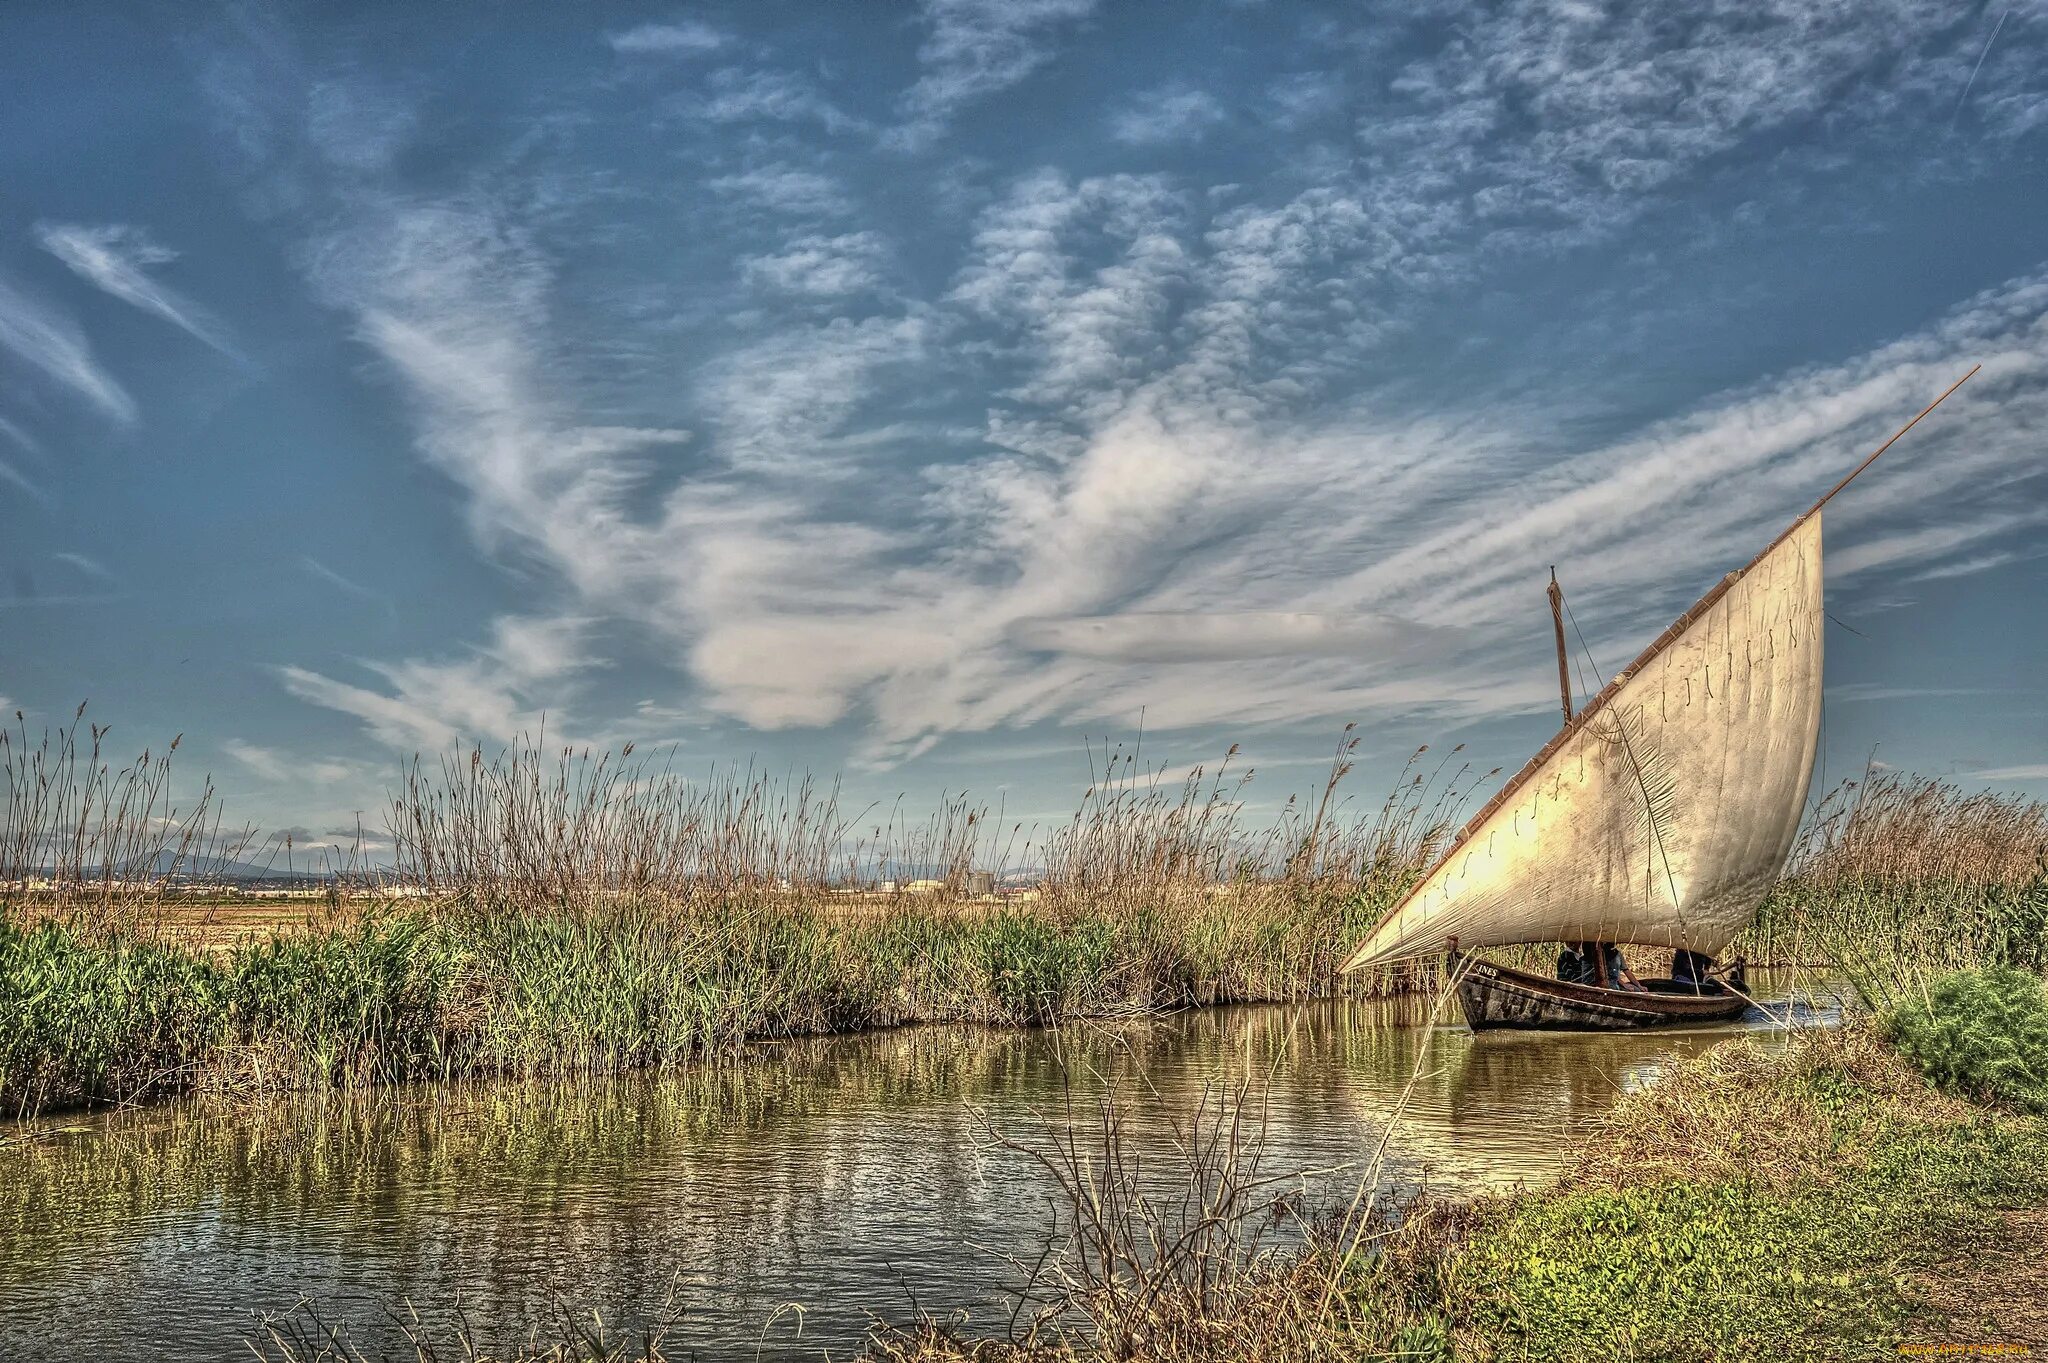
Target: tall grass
x=1899 y=879
x=555 y=912
x=96 y=840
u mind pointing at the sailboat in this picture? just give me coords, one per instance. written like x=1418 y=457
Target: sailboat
x=1660 y=815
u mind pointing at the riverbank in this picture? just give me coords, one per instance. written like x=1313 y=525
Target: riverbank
x=1811 y=1198
x=1821 y=1202
x=96 y=1012
x=101 y=1017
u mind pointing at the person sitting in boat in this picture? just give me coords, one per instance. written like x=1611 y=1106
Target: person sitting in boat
x=1696 y=971
x=1693 y=970
x=1588 y=962
x=1575 y=964
x=1618 y=974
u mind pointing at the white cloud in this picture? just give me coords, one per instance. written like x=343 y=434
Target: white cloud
x=11 y=474
x=818 y=266
x=739 y=95
x=1194 y=636
x=683 y=38
x=320 y=571
x=52 y=344
x=1965 y=567
x=2031 y=771
x=1165 y=476
x=500 y=692
x=1194 y=523
x=88 y=565
x=975 y=49
x=116 y=258
x=786 y=189
x=1857 y=692
x=273 y=765
x=1171 y=113
x=1083 y=276
x=779 y=401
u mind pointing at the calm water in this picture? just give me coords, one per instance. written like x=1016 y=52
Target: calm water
x=842 y=1176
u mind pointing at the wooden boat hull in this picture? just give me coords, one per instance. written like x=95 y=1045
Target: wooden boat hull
x=1497 y=996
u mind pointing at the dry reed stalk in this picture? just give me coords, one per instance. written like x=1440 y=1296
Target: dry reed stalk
x=302 y=1335
x=1898 y=827
x=539 y=829
x=99 y=844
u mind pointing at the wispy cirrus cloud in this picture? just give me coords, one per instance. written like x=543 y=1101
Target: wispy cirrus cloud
x=1170 y=113
x=1110 y=424
x=975 y=49
x=787 y=189
x=51 y=343
x=745 y=95
x=817 y=266
x=681 y=38
x=321 y=572
x=1212 y=636
x=273 y=764
x=88 y=565
x=2026 y=771
x=116 y=258
x=511 y=686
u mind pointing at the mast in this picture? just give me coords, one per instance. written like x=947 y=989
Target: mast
x=1564 y=675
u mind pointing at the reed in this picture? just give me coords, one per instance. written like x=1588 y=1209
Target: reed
x=302 y=1335
x=556 y=911
x=1899 y=879
x=97 y=842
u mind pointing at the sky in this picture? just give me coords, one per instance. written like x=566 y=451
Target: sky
x=920 y=392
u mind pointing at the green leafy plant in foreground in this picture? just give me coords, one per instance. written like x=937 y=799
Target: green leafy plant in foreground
x=1980 y=1033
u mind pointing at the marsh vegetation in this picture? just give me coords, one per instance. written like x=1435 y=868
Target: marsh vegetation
x=555 y=916
x=556 y=913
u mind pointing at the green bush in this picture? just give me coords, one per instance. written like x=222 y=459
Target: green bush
x=1980 y=1033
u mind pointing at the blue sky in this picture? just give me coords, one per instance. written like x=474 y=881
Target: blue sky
x=916 y=390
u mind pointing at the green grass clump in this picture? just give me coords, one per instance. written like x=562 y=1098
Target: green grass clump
x=362 y=1003
x=1982 y=1034
x=84 y=1021
x=1036 y=969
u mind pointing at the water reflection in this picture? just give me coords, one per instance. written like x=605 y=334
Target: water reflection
x=847 y=1175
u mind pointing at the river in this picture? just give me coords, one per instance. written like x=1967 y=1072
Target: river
x=778 y=1202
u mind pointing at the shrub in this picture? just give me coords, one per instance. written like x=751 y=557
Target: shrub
x=1982 y=1034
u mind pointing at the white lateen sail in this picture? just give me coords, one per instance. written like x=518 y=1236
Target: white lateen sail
x=1666 y=808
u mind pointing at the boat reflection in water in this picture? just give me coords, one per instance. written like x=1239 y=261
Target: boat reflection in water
x=848 y=1175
